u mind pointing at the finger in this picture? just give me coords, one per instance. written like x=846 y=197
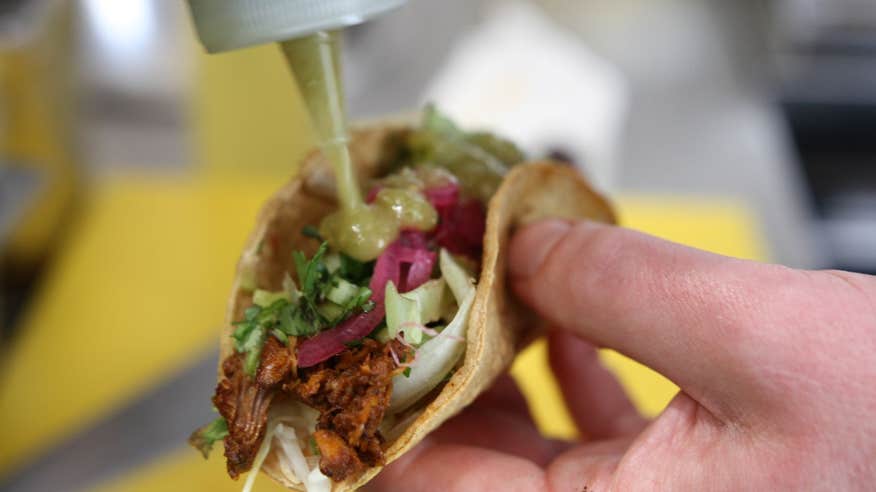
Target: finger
x=499 y=419
x=691 y=315
x=455 y=468
x=499 y=430
x=505 y=395
x=598 y=404
x=589 y=466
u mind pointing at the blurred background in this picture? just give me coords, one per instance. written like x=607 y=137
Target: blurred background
x=133 y=165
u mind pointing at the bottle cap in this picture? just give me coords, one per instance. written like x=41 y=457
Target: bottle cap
x=224 y=25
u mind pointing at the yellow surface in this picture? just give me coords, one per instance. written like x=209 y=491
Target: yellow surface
x=140 y=291
x=136 y=294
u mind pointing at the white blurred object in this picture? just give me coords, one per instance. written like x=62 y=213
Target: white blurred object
x=125 y=28
x=525 y=77
x=658 y=44
x=136 y=47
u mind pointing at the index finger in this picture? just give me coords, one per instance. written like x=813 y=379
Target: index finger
x=686 y=313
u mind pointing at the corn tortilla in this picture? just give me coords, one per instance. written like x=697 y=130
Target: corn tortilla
x=498 y=327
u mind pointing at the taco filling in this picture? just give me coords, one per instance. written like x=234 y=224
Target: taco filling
x=326 y=370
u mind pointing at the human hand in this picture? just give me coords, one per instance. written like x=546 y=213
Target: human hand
x=777 y=370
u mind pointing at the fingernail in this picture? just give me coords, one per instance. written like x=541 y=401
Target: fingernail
x=531 y=245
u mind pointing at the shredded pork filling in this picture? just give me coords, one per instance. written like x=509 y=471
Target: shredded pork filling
x=351 y=391
x=244 y=405
x=244 y=401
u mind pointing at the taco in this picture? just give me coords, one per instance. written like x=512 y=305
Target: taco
x=334 y=365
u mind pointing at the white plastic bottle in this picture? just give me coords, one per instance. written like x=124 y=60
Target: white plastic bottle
x=225 y=25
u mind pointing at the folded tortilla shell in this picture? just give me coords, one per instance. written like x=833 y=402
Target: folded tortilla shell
x=498 y=326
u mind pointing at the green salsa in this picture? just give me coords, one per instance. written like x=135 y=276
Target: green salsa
x=366 y=231
x=477 y=160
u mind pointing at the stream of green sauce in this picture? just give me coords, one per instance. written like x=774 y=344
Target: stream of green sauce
x=315 y=63
x=358 y=229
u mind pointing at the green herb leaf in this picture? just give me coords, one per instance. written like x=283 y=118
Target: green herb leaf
x=278 y=315
x=407 y=372
x=251 y=333
x=203 y=438
x=303 y=327
x=284 y=318
x=310 y=272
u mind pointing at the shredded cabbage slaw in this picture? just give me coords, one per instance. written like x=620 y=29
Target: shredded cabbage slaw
x=437 y=356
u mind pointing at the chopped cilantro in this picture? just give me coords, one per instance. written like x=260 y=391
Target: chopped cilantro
x=280 y=319
x=307 y=315
x=407 y=372
x=203 y=438
x=314 y=449
x=310 y=272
